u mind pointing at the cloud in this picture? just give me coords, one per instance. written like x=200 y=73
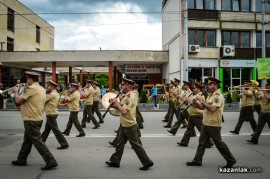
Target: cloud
x=116 y=31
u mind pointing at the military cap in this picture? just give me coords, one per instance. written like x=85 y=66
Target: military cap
x=31 y=73
x=176 y=80
x=96 y=83
x=187 y=83
x=213 y=80
x=128 y=81
x=74 y=84
x=172 y=82
x=89 y=81
x=53 y=83
x=197 y=85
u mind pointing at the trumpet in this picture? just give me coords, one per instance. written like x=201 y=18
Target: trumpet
x=12 y=88
x=191 y=103
x=179 y=106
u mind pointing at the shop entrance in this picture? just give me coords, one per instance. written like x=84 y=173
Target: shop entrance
x=235 y=76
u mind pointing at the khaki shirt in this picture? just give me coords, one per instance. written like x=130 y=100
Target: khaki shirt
x=33 y=107
x=193 y=111
x=136 y=93
x=52 y=101
x=171 y=95
x=265 y=104
x=129 y=103
x=214 y=118
x=247 y=100
x=74 y=101
x=186 y=93
x=259 y=94
x=178 y=91
x=96 y=94
x=89 y=92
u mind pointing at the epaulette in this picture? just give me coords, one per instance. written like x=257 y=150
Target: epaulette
x=218 y=94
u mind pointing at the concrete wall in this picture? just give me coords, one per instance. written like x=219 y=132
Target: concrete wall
x=24 y=34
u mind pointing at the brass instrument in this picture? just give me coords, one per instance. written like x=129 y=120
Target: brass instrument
x=106 y=103
x=191 y=103
x=176 y=100
x=179 y=106
x=24 y=85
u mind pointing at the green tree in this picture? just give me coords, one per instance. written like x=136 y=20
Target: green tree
x=143 y=96
x=102 y=79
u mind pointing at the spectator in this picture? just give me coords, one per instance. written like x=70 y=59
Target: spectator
x=102 y=91
x=154 y=92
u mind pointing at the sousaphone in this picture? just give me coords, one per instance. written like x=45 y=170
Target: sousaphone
x=105 y=103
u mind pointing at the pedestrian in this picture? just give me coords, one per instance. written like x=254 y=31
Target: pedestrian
x=154 y=92
x=74 y=108
x=212 y=121
x=51 y=110
x=32 y=103
x=128 y=128
x=103 y=91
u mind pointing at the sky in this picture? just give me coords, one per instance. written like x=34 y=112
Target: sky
x=108 y=31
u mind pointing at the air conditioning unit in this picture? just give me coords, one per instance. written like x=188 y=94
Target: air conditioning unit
x=229 y=50
x=194 y=48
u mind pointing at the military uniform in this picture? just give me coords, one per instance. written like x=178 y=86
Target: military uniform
x=246 y=112
x=139 y=117
x=128 y=132
x=88 y=108
x=181 y=116
x=31 y=112
x=211 y=128
x=74 y=108
x=263 y=119
x=257 y=103
x=173 y=110
x=51 y=110
x=96 y=103
x=166 y=118
x=195 y=119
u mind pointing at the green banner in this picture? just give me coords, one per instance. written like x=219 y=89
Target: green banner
x=263 y=65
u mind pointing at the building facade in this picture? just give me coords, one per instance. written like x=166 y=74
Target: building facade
x=21 y=30
x=211 y=25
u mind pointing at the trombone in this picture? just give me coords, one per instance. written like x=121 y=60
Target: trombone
x=12 y=88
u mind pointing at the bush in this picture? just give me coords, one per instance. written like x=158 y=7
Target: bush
x=228 y=98
x=143 y=96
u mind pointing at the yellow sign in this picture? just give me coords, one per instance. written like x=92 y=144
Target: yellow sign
x=263 y=65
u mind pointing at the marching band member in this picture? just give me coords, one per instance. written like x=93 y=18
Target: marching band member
x=171 y=87
x=32 y=106
x=247 y=110
x=74 y=108
x=139 y=117
x=51 y=110
x=88 y=116
x=176 y=91
x=181 y=119
x=264 y=115
x=212 y=121
x=128 y=130
x=96 y=101
x=195 y=118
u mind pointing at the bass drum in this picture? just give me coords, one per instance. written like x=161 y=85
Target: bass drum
x=105 y=103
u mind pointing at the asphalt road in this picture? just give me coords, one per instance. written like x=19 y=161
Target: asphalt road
x=86 y=156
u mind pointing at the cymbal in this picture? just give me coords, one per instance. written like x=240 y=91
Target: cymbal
x=105 y=99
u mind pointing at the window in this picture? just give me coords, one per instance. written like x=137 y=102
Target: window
x=37 y=34
x=239 y=39
x=259 y=40
x=236 y=5
x=201 y=4
x=202 y=37
x=259 y=6
x=10 y=44
x=10 y=20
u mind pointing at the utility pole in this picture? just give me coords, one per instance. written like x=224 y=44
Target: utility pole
x=263 y=35
x=185 y=64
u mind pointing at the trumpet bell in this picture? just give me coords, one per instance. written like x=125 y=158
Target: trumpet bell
x=105 y=103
